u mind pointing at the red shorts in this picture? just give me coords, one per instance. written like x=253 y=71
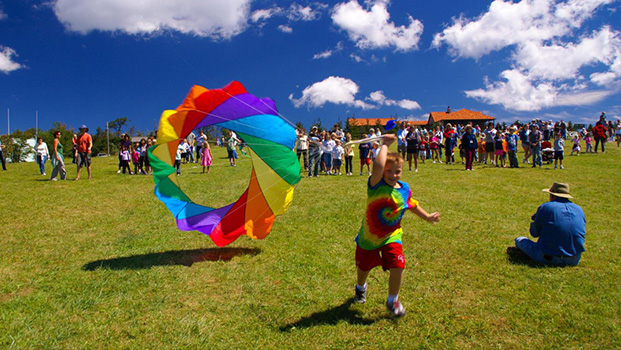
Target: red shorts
x=388 y=257
x=365 y=161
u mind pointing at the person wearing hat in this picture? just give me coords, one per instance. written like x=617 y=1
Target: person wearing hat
x=560 y=226
x=85 y=143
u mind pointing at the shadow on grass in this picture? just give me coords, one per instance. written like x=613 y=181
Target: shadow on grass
x=172 y=257
x=517 y=257
x=332 y=316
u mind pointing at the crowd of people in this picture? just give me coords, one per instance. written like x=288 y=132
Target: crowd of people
x=495 y=145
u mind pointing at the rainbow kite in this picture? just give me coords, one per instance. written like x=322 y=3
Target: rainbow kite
x=275 y=167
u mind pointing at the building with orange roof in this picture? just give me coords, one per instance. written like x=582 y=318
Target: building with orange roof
x=462 y=116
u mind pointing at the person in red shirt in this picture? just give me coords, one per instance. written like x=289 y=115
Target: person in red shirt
x=599 y=132
x=85 y=143
x=448 y=143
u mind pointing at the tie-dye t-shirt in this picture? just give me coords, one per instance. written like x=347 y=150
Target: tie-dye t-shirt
x=385 y=208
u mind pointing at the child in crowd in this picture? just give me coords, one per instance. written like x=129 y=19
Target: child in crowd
x=125 y=157
x=206 y=156
x=136 y=158
x=349 y=156
x=375 y=151
x=365 y=155
x=422 y=148
x=327 y=146
x=481 y=150
x=412 y=145
x=147 y=162
x=178 y=156
x=433 y=146
x=589 y=146
x=500 y=162
x=512 y=144
x=337 y=157
x=379 y=239
x=576 y=145
x=559 y=148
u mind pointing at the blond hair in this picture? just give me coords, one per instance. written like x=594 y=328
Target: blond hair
x=394 y=157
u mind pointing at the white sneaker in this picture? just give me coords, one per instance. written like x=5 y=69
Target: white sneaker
x=562 y=167
x=339 y=173
x=118 y=172
x=434 y=162
x=396 y=309
x=415 y=170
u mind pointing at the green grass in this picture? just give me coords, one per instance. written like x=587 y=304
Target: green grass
x=100 y=264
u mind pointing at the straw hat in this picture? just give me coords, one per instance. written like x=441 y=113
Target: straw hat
x=559 y=190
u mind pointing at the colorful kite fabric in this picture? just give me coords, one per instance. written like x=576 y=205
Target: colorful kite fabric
x=270 y=141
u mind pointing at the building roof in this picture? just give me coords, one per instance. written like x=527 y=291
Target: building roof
x=462 y=114
x=382 y=121
x=368 y=121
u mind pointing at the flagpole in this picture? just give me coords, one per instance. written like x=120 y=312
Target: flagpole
x=108 y=137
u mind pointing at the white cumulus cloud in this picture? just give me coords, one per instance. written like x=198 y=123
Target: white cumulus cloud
x=7 y=64
x=333 y=89
x=338 y=90
x=218 y=19
x=550 y=50
x=519 y=92
x=285 y=28
x=371 y=28
x=265 y=14
x=379 y=98
x=508 y=23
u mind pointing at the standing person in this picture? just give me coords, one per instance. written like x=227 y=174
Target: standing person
x=74 y=151
x=178 y=157
x=523 y=134
x=534 y=139
x=434 y=146
x=470 y=145
x=327 y=147
x=561 y=228
x=2 y=156
x=498 y=140
x=412 y=141
x=448 y=143
x=365 y=155
x=337 y=156
x=490 y=149
x=147 y=162
x=314 y=152
x=231 y=148
x=206 y=157
x=85 y=143
x=199 y=144
x=191 y=138
x=587 y=141
x=599 y=134
x=143 y=156
x=512 y=144
x=349 y=156
x=576 y=145
x=302 y=146
x=125 y=158
x=58 y=159
x=401 y=140
x=422 y=148
x=43 y=154
x=136 y=158
x=378 y=242
x=559 y=149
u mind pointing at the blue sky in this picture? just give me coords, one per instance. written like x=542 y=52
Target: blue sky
x=88 y=62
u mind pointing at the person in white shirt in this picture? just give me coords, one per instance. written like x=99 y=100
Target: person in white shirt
x=302 y=146
x=337 y=157
x=401 y=142
x=42 y=154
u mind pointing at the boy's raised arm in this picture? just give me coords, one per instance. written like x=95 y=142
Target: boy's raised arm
x=380 y=159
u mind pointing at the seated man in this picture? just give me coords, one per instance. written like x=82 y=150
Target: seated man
x=560 y=226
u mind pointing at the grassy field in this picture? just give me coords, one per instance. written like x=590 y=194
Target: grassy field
x=100 y=264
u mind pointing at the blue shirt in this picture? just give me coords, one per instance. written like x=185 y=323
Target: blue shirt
x=560 y=226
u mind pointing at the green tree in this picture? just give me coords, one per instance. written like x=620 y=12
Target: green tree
x=117 y=125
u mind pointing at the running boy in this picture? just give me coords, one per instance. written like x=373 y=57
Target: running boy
x=379 y=238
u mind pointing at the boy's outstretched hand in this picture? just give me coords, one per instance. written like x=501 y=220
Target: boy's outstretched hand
x=387 y=139
x=433 y=218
